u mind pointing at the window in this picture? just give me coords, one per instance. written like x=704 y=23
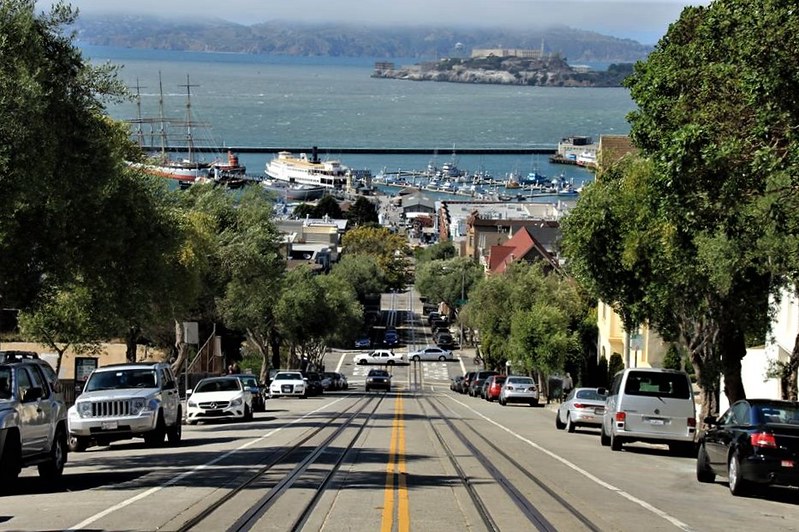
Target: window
x=23 y=383
x=652 y=384
x=38 y=380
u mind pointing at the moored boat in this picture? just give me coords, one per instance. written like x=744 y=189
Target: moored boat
x=303 y=170
x=293 y=191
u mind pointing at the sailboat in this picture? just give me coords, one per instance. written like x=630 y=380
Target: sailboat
x=187 y=170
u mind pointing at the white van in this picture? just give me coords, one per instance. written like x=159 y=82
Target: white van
x=651 y=405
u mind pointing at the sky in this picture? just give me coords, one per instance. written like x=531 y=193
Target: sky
x=642 y=20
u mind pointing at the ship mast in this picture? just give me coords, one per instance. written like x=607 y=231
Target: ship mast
x=189 y=135
x=161 y=119
x=139 y=119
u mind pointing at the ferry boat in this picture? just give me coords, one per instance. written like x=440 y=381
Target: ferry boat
x=302 y=170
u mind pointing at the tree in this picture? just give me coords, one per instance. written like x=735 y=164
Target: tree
x=447 y=281
x=389 y=250
x=360 y=272
x=250 y=257
x=58 y=152
x=439 y=251
x=362 y=212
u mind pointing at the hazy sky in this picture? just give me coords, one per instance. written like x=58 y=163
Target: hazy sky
x=642 y=20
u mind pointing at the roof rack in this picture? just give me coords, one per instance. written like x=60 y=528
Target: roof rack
x=15 y=356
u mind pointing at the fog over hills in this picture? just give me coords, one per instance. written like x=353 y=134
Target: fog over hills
x=340 y=40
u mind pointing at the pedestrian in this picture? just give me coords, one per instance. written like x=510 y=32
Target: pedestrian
x=567 y=385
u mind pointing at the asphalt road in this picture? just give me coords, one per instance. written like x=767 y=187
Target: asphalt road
x=420 y=457
x=416 y=458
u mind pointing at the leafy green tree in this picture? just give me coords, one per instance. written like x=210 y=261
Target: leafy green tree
x=439 y=251
x=615 y=365
x=672 y=359
x=488 y=312
x=249 y=251
x=362 y=273
x=389 y=250
x=448 y=281
x=362 y=212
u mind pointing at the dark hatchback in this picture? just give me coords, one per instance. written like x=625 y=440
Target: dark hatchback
x=754 y=443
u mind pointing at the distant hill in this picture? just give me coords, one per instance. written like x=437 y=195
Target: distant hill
x=285 y=38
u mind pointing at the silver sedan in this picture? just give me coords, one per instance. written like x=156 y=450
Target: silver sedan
x=582 y=407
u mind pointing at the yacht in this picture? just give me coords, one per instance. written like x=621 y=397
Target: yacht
x=302 y=170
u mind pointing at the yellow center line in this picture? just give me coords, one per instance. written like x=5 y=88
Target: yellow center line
x=396 y=467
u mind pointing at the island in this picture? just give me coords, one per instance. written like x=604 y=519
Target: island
x=508 y=67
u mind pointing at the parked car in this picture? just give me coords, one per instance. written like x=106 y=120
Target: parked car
x=331 y=381
x=433 y=316
x=430 y=352
x=653 y=405
x=455 y=382
x=493 y=387
x=313 y=383
x=124 y=401
x=445 y=340
x=378 y=379
x=390 y=337
x=345 y=385
x=583 y=407
x=219 y=398
x=33 y=421
x=287 y=384
x=754 y=443
x=379 y=356
x=519 y=389
x=467 y=380
x=476 y=384
x=256 y=390
x=364 y=342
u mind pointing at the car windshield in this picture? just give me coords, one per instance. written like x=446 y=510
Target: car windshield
x=250 y=381
x=519 y=380
x=378 y=373
x=591 y=395
x=656 y=384
x=218 y=385
x=121 y=379
x=777 y=413
x=288 y=376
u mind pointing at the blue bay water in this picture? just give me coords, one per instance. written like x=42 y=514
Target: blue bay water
x=276 y=101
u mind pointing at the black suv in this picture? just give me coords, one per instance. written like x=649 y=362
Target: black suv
x=33 y=418
x=313 y=383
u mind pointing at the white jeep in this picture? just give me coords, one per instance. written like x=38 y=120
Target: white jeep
x=126 y=401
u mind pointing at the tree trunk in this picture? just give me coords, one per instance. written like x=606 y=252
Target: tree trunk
x=261 y=344
x=274 y=340
x=130 y=343
x=790 y=389
x=181 y=347
x=732 y=346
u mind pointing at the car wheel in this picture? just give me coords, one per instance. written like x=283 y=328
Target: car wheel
x=489 y=398
x=247 y=413
x=416 y=358
x=54 y=466
x=703 y=471
x=603 y=437
x=367 y=388
x=615 y=443
x=533 y=403
x=175 y=433
x=390 y=362
x=569 y=423
x=442 y=358
x=362 y=362
x=503 y=402
x=738 y=485
x=155 y=437
x=11 y=459
x=78 y=444
x=560 y=425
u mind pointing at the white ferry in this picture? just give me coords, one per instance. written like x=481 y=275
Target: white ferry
x=304 y=171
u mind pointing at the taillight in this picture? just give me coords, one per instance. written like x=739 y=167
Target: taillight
x=692 y=422
x=621 y=418
x=763 y=439
x=579 y=405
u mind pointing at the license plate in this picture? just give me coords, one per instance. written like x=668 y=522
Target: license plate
x=656 y=422
x=110 y=425
x=787 y=463
x=599 y=411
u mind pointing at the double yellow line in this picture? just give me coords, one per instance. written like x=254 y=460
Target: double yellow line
x=396 y=473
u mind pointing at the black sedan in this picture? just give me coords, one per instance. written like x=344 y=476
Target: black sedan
x=754 y=443
x=378 y=379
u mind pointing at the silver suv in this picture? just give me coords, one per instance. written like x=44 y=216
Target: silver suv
x=126 y=401
x=33 y=418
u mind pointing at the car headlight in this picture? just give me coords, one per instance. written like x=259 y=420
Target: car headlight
x=136 y=406
x=152 y=405
x=84 y=409
x=192 y=403
x=236 y=402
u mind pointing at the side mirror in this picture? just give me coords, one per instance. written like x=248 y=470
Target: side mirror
x=189 y=392
x=602 y=391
